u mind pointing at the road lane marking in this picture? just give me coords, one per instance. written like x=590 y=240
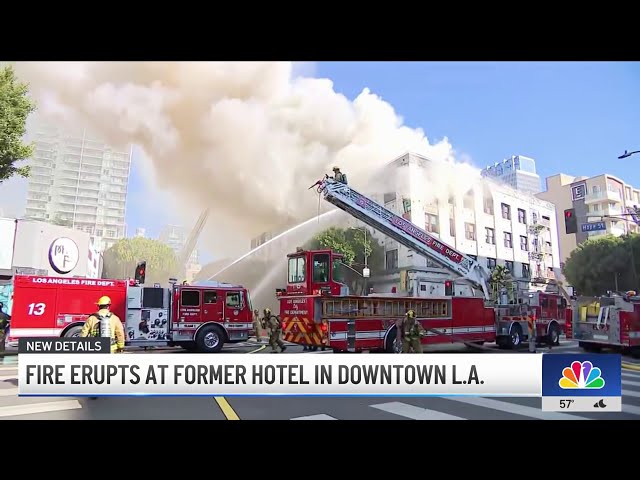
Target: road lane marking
x=35 y=408
x=629 y=382
x=515 y=408
x=321 y=416
x=413 y=412
x=625 y=393
x=227 y=410
x=632 y=409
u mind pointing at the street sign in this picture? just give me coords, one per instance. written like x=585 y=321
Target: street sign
x=593 y=226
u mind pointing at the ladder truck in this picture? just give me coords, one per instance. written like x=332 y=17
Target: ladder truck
x=316 y=309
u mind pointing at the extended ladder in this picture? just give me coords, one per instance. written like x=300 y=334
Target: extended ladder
x=404 y=232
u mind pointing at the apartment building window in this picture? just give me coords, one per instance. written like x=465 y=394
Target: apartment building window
x=491 y=263
x=509 y=265
x=391 y=259
x=490 y=236
x=452 y=227
x=508 y=240
x=452 y=201
x=111 y=233
x=469 y=231
x=547 y=246
x=432 y=223
x=506 y=211
x=522 y=216
x=389 y=197
x=468 y=201
x=488 y=206
x=546 y=219
x=98 y=232
x=526 y=271
x=524 y=243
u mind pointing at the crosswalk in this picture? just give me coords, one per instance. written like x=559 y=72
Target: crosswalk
x=475 y=408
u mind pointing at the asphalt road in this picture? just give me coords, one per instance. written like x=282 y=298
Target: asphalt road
x=13 y=407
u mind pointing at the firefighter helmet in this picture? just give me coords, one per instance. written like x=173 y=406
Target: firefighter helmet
x=103 y=301
x=411 y=314
x=267 y=311
x=335 y=169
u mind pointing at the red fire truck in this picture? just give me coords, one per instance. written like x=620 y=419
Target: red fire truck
x=317 y=310
x=611 y=322
x=201 y=317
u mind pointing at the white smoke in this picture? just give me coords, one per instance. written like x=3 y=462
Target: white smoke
x=245 y=139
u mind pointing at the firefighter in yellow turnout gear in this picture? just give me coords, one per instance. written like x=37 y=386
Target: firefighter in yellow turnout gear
x=411 y=333
x=92 y=328
x=274 y=331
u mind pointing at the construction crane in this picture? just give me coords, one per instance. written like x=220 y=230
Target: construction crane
x=192 y=240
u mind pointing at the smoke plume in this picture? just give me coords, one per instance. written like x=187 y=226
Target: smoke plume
x=245 y=139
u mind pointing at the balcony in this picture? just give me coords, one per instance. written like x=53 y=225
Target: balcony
x=603 y=196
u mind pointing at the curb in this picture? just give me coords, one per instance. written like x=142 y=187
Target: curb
x=631 y=366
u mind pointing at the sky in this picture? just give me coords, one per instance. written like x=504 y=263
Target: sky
x=573 y=118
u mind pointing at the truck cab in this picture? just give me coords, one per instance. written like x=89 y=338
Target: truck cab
x=315 y=272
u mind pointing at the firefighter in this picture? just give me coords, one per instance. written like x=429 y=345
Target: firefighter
x=338 y=176
x=257 y=325
x=275 y=328
x=411 y=332
x=91 y=327
x=4 y=326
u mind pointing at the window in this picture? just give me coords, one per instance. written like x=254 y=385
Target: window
x=338 y=271
x=452 y=201
x=490 y=236
x=526 y=272
x=297 y=270
x=545 y=218
x=452 y=227
x=468 y=200
x=233 y=299
x=389 y=197
x=190 y=298
x=524 y=243
x=391 y=259
x=431 y=224
x=506 y=211
x=469 y=231
x=509 y=265
x=508 y=241
x=321 y=268
x=491 y=263
x=522 y=216
x=210 y=297
x=488 y=206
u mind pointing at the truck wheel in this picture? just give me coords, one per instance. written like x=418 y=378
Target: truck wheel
x=210 y=339
x=553 y=337
x=73 y=332
x=515 y=338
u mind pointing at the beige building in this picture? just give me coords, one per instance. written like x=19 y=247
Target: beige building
x=603 y=205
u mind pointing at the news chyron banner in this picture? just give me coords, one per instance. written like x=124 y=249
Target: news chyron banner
x=582 y=383
x=81 y=367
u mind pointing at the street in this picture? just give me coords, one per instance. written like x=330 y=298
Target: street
x=13 y=407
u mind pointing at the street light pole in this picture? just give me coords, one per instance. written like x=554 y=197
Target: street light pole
x=365 y=271
x=628 y=154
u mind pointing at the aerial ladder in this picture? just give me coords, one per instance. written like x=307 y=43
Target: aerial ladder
x=192 y=240
x=404 y=232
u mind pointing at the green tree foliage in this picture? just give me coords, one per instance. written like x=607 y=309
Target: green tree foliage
x=352 y=244
x=15 y=107
x=121 y=259
x=595 y=265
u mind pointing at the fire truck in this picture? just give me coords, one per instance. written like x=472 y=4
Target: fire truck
x=611 y=321
x=316 y=308
x=201 y=317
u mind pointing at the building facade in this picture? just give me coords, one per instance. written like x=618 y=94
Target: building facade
x=78 y=181
x=517 y=172
x=491 y=223
x=603 y=205
x=175 y=236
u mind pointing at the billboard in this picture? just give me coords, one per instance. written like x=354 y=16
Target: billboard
x=7 y=236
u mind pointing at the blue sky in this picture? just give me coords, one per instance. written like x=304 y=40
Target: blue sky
x=571 y=117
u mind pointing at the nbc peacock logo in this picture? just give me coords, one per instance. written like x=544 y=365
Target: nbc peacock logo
x=581 y=375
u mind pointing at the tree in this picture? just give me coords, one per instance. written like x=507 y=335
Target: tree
x=15 y=107
x=598 y=265
x=351 y=243
x=121 y=259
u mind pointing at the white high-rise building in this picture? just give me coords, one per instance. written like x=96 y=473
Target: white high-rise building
x=79 y=181
x=176 y=237
x=517 y=172
x=491 y=223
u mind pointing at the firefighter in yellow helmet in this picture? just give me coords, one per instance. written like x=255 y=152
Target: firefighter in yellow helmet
x=275 y=329
x=411 y=332
x=338 y=176
x=92 y=328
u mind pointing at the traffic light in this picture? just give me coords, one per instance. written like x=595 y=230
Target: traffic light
x=448 y=288
x=570 y=221
x=141 y=272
